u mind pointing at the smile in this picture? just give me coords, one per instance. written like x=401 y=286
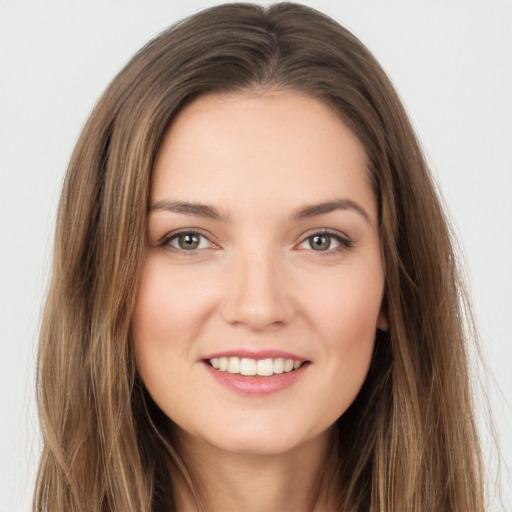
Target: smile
x=261 y=367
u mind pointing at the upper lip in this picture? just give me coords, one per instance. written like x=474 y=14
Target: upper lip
x=256 y=354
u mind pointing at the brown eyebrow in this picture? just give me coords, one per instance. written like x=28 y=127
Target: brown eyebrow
x=189 y=208
x=322 y=208
x=304 y=212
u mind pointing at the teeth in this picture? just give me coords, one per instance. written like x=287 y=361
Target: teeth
x=279 y=365
x=265 y=367
x=288 y=365
x=248 y=366
x=233 y=365
x=262 y=367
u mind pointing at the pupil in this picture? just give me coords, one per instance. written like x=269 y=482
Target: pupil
x=320 y=242
x=189 y=241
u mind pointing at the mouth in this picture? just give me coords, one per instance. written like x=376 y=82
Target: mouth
x=255 y=367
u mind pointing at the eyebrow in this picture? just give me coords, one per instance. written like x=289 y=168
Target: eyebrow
x=304 y=212
x=189 y=208
x=308 y=211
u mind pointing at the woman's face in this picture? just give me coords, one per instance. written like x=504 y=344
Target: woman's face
x=263 y=255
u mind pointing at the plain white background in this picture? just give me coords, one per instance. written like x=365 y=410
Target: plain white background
x=451 y=62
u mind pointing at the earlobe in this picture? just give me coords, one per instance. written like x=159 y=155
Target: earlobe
x=382 y=320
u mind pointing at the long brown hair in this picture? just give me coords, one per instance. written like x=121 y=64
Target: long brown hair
x=408 y=442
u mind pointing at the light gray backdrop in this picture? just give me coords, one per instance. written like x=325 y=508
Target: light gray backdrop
x=450 y=60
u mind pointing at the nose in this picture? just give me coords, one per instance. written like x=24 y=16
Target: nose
x=257 y=292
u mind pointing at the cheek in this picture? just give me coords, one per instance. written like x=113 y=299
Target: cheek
x=167 y=318
x=346 y=307
x=345 y=319
x=163 y=322
x=171 y=305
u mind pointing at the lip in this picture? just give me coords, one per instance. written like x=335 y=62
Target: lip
x=250 y=385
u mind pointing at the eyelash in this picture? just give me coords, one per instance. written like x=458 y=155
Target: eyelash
x=165 y=242
x=344 y=241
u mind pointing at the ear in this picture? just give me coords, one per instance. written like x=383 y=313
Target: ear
x=382 y=320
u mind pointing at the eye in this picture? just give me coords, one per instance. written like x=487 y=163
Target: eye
x=320 y=242
x=188 y=241
x=325 y=242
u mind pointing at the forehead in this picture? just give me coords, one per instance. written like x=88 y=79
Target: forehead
x=245 y=148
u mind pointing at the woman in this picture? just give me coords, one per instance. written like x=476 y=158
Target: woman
x=254 y=303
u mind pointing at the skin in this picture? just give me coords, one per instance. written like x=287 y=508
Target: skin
x=256 y=282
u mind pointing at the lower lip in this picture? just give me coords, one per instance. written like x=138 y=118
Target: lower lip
x=257 y=386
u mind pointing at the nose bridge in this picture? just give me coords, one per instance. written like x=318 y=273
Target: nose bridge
x=256 y=295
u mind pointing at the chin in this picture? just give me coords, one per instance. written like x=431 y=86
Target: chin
x=258 y=439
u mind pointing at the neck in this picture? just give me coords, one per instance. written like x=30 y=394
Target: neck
x=230 y=482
